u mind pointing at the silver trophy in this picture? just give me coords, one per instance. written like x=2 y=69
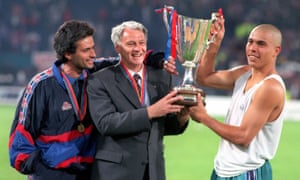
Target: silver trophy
x=192 y=40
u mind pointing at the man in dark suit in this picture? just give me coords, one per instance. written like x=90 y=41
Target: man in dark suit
x=132 y=116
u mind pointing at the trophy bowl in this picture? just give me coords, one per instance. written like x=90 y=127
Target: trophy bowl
x=192 y=40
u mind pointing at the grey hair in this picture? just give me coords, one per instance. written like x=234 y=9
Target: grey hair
x=118 y=30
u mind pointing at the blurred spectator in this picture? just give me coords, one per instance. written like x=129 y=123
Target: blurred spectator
x=27 y=25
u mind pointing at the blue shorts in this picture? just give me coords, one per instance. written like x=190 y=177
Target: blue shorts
x=262 y=173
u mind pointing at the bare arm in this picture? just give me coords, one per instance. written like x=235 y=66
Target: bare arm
x=206 y=74
x=263 y=108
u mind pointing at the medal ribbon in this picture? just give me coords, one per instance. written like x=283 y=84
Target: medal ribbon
x=134 y=84
x=173 y=33
x=80 y=111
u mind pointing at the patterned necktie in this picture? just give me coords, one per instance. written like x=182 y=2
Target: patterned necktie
x=137 y=79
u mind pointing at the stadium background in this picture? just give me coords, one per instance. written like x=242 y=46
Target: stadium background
x=27 y=28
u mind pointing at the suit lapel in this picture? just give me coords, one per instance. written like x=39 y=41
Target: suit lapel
x=124 y=84
x=151 y=87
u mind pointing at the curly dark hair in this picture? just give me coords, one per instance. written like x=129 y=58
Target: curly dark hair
x=68 y=34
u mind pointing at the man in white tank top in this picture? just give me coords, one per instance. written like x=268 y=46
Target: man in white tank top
x=251 y=131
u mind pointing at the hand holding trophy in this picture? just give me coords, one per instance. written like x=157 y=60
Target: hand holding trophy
x=189 y=38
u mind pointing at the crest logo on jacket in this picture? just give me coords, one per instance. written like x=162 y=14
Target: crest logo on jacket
x=66 y=106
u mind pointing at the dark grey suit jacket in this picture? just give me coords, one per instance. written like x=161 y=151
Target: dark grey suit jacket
x=126 y=138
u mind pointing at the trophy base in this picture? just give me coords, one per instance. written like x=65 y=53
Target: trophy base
x=189 y=95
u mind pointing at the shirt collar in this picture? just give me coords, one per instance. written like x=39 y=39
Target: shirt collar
x=139 y=72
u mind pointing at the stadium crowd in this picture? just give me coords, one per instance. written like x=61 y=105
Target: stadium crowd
x=27 y=26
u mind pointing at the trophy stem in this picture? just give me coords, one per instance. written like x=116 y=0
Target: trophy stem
x=187 y=88
x=188 y=78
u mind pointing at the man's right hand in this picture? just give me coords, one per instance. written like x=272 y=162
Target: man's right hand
x=165 y=105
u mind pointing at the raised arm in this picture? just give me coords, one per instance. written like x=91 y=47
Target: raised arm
x=206 y=74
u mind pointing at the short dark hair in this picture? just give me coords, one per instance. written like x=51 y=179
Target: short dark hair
x=68 y=34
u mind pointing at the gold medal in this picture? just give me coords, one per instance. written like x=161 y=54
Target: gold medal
x=80 y=128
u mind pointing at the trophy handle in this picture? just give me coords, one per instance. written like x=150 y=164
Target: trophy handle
x=214 y=18
x=165 y=10
x=169 y=26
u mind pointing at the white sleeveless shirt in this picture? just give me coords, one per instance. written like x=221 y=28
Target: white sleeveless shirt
x=232 y=160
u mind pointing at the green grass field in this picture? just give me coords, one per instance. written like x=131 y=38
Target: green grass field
x=189 y=156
